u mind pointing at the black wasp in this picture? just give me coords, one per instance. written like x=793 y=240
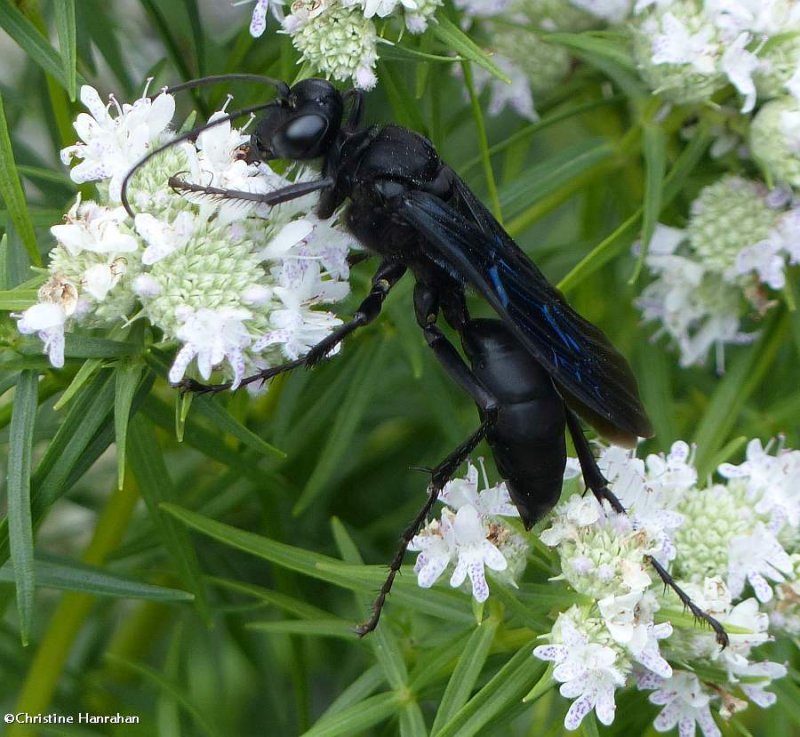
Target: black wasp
x=530 y=373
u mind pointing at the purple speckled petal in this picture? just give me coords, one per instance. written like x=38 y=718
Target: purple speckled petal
x=579 y=709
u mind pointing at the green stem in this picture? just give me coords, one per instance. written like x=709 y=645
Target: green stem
x=71 y=613
x=483 y=141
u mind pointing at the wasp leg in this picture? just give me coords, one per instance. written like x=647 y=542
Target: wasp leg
x=592 y=476
x=697 y=612
x=426 y=305
x=440 y=475
x=356 y=111
x=598 y=484
x=284 y=194
x=386 y=276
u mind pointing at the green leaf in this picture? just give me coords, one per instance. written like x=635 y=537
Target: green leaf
x=59 y=573
x=624 y=235
x=26 y=35
x=127 y=379
x=88 y=369
x=89 y=410
x=556 y=171
x=18 y=299
x=274 y=598
x=353 y=406
x=440 y=603
x=148 y=465
x=356 y=718
x=483 y=141
x=383 y=642
x=405 y=108
x=543 y=685
x=168 y=686
x=412 y=723
x=325 y=627
x=11 y=187
x=362 y=687
x=655 y=162
x=391 y=51
x=734 y=389
x=611 y=46
x=67 y=42
x=503 y=691
x=466 y=672
x=454 y=38
x=225 y=422
x=20 y=523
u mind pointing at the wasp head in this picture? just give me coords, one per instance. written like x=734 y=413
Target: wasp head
x=302 y=125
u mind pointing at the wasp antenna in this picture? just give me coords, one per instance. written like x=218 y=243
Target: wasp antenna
x=189 y=135
x=282 y=87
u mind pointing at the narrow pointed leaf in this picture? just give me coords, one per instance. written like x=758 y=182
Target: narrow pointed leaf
x=224 y=421
x=503 y=691
x=87 y=370
x=20 y=524
x=67 y=42
x=357 y=718
x=466 y=673
x=353 y=406
x=127 y=379
x=655 y=162
x=383 y=642
x=149 y=467
x=168 y=686
x=36 y=46
x=308 y=627
x=454 y=38
x=11 y=188
x=58 y=573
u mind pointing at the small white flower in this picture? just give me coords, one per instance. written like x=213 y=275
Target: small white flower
x=91 y=227
x=163 y=238
x=686 y=704
x=517 y=95
x=473 y=552
x=212 y=336
x=677 y=45
x=757 y=557
x=47 y=320
x=738 y=64
x=492 y=501
x=435 y=545
x=258 y=21
x=588 y=672
x=112 y=145
x=100 y=279
x=769 y=671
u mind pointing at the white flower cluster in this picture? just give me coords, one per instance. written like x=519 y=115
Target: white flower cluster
x=739 y=239
x=470 y=537
x=339 y=37
x=721 y=543
x=237 y=286
x=689 y=49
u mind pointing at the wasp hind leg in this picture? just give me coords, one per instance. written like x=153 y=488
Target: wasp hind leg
x=594 y=480
x=440 y=475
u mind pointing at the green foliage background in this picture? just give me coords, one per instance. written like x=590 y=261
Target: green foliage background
x=214 y=592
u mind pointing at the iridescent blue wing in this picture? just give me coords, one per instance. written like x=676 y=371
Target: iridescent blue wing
x=592 y=375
